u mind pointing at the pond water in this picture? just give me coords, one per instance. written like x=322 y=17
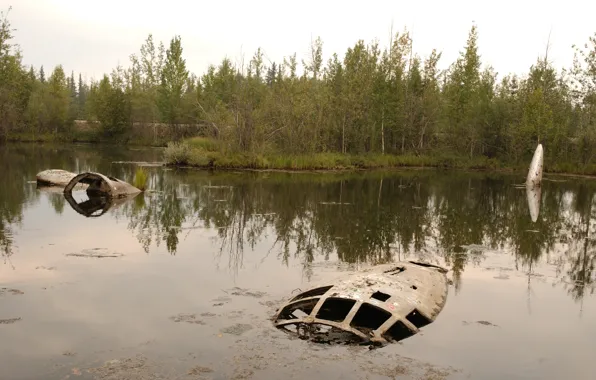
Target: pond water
x=190 y=272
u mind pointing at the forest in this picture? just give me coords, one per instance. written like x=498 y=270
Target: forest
x=373 y=100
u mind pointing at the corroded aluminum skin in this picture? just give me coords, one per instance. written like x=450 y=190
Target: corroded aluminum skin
x=99 y=183
x=414 y=286
x=54 y=177
x=534 y=177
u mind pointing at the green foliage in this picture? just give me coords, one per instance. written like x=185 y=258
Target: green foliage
x=205 y=144
x=81 y=98
x=15 y=83
x=140 y=179
x=174 y=78
x=110 y=105
x=201 y=152
x=58 y=100
x=370 y=102
x=42 y=75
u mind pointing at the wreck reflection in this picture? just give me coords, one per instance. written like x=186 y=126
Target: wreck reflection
x=18 y=190
x=534 y=194
x=375 y=218
x=94 y=205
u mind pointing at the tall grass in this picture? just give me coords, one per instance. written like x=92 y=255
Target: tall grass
x=205 y=153
x=203 y=143
x=140 y=180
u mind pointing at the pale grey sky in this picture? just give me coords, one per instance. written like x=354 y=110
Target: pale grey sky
x=93 y=37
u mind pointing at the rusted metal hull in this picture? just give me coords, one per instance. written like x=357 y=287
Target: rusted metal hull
x=376 y=306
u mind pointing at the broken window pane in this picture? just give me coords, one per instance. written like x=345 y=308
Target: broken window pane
x=418 y=319
x=298 y=309
x=312 y=293
x=335 y=309
x=369 y=317
x=398 y=332
x=380 y=296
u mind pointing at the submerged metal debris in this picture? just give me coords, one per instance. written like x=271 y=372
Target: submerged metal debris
x=9 y=321
x=101 y=184
x=98 y=253
x=534 y=177
x=103 y=192
x=95 y=183
x=54 y=177
x=383 y=304
x=534 y=183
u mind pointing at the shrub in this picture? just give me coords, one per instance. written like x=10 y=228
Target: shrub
x=178 y=153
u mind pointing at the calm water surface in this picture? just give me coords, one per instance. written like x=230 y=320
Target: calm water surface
x=197 y=265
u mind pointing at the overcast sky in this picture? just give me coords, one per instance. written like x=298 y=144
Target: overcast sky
x=92 y=37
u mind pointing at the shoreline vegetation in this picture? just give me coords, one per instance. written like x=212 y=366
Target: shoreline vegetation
x=205 y=153
x=374 y=106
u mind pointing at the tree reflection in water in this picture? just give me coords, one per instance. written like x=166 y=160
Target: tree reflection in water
x=452 y=219
x=449 y=218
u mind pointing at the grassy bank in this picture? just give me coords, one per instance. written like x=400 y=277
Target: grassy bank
x=206 y=153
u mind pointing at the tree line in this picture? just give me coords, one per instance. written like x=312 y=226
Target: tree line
x=372 y=100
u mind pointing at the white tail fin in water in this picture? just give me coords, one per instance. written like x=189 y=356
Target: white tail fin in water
x=535 y=173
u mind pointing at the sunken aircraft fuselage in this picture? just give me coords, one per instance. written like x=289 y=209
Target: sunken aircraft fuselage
x=375 y=306
x=93 y=183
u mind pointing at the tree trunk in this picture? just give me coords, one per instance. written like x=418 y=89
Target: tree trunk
x=343 y=135
x=422 y=132
x=403 y=143
x=383 y=132
x=379 y=196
